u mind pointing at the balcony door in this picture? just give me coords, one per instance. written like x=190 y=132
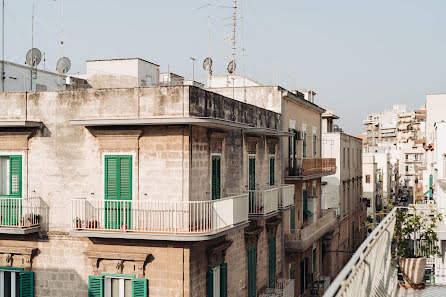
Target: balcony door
x=11 y=190
x=252 y=182
x=118 y=191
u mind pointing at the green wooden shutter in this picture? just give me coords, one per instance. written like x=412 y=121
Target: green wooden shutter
x=216 y=177
x=210 y=283
x=304 y=204
x=302 y=277
x=224 y=280
x=26 y=284
x=272 y=261
x=292 y=273
x=125 y=177
x=139 y=287
x=290 y=151
x=314 y=145
x=111 y=177
x=271 y=170
x=15 y=176
x=306 y=272
x=252 y=173
x=304 y=146
x=314 y=192
x=95 y=286
x=252 y=262
x=314 y=260
x=292 y=219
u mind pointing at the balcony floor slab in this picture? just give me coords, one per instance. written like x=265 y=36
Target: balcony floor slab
x=428 y=291
x=154 y=236
x=19 y=230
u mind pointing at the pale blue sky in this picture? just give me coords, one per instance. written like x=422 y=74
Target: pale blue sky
x=359 y=56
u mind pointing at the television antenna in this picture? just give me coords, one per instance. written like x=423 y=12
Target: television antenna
x=231 y=65
x=63 y=65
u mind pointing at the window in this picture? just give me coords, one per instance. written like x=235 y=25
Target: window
x=116 y=285
x=216 y=177
x=407 y=169
x=367 y=179
x=272 y=160
x=218 y=281
x=407 y=157
x=314 y=260
x=118 y=187
x=16 y=282
x=305 y=211
x=314 y=145
x=304 y=277
x=368 y=202
x=343 y=159
x=292 y=273
x=314 y=192
x=11 y=176
x=292 y=140
x=118 y=177
x=348 y=157
x=272 y=261
x=252 y=271
x=304 y=145
x=293 y=217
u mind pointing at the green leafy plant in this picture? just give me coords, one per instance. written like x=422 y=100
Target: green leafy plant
x=419 y=226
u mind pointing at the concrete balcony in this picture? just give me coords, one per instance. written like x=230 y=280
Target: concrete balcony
x=302 y=239
x=21 y=215
x=286 y=196
x=263 y=203
x=372 y=272
x=158 y=220
x=309 y=168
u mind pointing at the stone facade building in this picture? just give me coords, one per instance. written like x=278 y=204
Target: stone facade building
x=145 y=191
x=306 y=223
x=343 y=193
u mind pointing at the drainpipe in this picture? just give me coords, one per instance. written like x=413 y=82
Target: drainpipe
x=282 y=119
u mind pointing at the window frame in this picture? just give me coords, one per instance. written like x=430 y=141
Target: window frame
x=21 y=171
x=133 y=182
x=272 y=177
x=211 y=172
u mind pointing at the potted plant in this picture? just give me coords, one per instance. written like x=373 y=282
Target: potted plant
x=418 y=226
x=78 y=223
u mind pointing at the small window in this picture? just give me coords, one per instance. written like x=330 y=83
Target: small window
x=367 y=179
x=368 y=202
x=304 y=145
x=314 y=145
x=216 y=177
x=272 y=161
x=15 y=282
x=116 y=286
x=217 y=280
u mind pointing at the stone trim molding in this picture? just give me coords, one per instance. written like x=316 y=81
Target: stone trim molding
x=217 y=253
x=271 y=225
x=271 y=144
x=216 y=141
x=117 y=139
x=11 y=254
x=119 y=260
x=251 y=144
x=14 y=140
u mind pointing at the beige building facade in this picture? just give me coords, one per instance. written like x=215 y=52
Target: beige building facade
x=148 y=191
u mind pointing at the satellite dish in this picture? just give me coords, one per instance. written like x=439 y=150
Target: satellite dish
x=63 y=65
x=207 y=63
x=231 y=67
x=33 y=57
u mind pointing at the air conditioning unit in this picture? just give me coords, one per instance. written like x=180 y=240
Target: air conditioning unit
x=300 y=135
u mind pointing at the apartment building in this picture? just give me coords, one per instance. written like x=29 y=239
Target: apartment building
x=138 y=191
x=343 y=193
x=306 y=224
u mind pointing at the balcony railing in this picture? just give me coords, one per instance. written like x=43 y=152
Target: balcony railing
x=370 y=271
x=160 y=217
x=263 y=202
x=311 y=166
x=286 y=196
x=284 y=288
x=20 y=215
x=304 y=238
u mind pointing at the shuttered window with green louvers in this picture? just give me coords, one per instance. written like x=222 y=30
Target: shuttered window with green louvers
x=117 y=286
x=221 y=271
x=216 y=177
x=11 y=176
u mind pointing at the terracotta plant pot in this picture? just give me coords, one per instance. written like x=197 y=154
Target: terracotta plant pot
x=413 y=270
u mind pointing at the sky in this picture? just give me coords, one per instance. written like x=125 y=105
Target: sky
x=359 y=56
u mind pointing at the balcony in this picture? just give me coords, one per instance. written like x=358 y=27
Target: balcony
x=309 y=168
x=284 y=288
x=263 y=203
x=286 y=196
x=371 y=271
x=21 y=215
x=158 y=220
x=302 y=239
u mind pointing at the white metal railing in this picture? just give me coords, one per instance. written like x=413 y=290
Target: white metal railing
x=286 y=196
x=160 y=216
x=263 y=202
x=369 y=272
x=20 y=212
x=284 y=288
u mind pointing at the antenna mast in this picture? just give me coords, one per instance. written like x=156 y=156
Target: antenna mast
x=233 y=30
x=62 y=41
x=3 y=45
x=32 y=42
